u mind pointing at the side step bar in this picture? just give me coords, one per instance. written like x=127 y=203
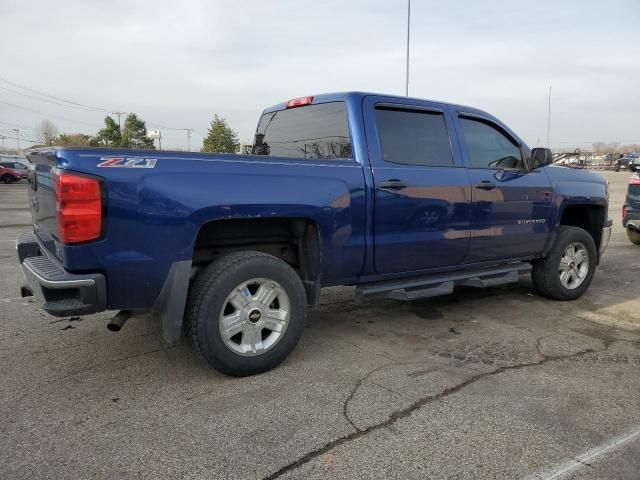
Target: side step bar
x=442 y=283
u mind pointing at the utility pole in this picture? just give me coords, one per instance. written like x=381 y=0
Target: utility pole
x=406 y=90
x=17 y=130
x=549 y=118
x=188 y=130
x=160 y=140
x=118 y=114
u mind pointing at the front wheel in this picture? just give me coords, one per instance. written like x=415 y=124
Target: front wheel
x=566 y=273
x=7 y=179
x=246 y=312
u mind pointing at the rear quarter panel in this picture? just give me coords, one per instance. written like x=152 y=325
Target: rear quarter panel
x=154 y=214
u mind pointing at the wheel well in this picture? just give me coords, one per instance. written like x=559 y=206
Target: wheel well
x=589 y=217
x=294 y=240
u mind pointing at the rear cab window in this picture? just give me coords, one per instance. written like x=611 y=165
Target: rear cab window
x=633 y=192
x=310 y=132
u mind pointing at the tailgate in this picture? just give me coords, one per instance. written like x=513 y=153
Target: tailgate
x=68 y=206
x=633 y=196
x=42 y=201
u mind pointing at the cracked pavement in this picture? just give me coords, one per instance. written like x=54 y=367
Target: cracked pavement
x=495 y=383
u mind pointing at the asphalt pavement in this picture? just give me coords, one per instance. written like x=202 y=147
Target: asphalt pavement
x=482 y=384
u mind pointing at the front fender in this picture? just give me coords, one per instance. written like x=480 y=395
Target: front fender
x=576 y=187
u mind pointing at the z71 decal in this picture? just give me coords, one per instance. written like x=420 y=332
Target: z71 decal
x=128 y=162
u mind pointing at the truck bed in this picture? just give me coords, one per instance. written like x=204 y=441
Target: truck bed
x=155 y=206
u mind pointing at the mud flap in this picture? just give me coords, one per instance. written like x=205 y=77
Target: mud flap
x=169 y=305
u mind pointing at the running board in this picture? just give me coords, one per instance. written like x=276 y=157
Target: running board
x=442 y=283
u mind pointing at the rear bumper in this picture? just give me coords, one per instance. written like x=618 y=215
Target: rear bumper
x=631 y=219
x=606 y=236
x=61 y=293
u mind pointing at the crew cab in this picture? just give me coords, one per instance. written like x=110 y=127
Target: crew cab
x=403 y=198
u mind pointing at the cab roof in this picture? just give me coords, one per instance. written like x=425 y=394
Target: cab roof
x=357 y=96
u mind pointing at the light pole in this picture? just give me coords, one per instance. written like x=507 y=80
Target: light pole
x=17 y=130
x=406 y=90
x=549 y=118
x=188 y=130
x=118 y=114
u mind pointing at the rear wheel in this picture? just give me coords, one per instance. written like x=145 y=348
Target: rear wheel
x=634 y=236
x=566 y=273
x=8 y=179
x=246 y=312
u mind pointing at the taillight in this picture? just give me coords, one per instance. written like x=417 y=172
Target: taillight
x=624 y=211
x=634 y=180
x=298 y=102
x=78 y=207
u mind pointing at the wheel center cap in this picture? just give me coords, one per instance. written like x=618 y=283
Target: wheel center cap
x=255 y=315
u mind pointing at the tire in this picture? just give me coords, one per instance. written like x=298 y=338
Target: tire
x=546 y=273
x=634 y=236
x=8 y=179
x=217 y=298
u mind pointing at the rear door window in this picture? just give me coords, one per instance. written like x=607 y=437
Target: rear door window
x=307 y=132
x=413 y=137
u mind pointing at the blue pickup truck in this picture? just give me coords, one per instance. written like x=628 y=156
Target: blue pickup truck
x=403 y=198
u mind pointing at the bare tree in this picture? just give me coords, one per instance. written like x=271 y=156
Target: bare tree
x=613 y=147
x=599 y=147
x=47 y=132
x=76 y=140
x=631 y=148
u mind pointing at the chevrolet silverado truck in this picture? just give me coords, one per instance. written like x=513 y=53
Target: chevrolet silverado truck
x=402 y=198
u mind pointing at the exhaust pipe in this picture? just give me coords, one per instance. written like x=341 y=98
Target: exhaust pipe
x=117 y=322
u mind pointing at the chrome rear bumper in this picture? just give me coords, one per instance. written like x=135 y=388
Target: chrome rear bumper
x=60 y=292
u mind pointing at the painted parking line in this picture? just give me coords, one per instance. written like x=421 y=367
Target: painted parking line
x=585 y=458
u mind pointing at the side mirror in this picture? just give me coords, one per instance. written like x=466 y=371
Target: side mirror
x=540 y=157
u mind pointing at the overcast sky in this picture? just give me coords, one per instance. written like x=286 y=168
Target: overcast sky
x=178 y=63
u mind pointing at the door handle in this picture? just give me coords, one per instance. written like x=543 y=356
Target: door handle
x=393 y=184
x=485 y=185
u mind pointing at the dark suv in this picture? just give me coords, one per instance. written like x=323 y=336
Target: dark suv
x=12 y=172
x=631 y=210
